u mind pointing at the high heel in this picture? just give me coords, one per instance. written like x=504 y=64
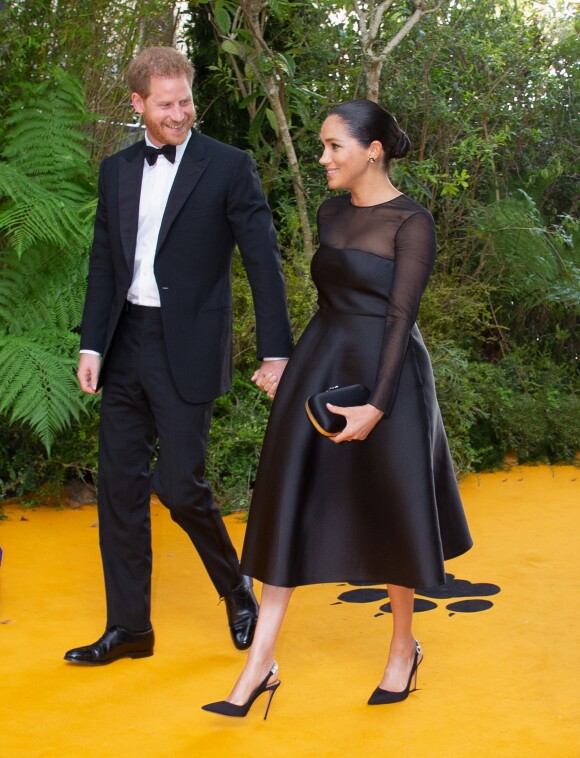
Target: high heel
x=225 y=708
x=382 y=697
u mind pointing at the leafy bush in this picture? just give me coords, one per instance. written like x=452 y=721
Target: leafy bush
x=25 y=464
x=528 y=406
x=236 y=434
x=458 y=383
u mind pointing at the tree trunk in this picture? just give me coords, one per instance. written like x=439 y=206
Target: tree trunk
x=373 y=77
x=370 y=16
x=272 y=86
x=274 y=98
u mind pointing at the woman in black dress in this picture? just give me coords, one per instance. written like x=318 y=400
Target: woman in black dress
x=379 y=502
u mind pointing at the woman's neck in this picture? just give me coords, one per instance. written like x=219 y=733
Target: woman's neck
x=374 y=192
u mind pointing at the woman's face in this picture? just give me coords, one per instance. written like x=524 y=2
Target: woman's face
x=346 y=161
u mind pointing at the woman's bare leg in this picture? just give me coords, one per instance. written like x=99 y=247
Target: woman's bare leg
x=273 y=605
x=402 y=649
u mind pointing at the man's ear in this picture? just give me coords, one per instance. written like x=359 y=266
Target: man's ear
x=138 y=102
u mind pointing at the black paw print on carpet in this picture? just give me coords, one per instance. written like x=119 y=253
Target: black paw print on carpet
x=453 y=588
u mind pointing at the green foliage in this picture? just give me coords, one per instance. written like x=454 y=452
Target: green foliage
x=236 y=434
x=21 y=460
x=455 y=312
x=36 y=382
x=531 y=407
x=535 y=271
x=25 y=465
x=524 y=403
x=533 y=263
x=460 y=401
x=45 y=178
x=46 y=192
x=45 y=138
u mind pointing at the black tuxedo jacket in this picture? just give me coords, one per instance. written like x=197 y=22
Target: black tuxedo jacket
x=215 y=202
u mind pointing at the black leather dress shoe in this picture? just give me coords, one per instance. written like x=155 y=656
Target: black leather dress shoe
x=115 y=643
x=242 y=609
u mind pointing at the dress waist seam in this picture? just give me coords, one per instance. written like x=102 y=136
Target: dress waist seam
x=328 y=309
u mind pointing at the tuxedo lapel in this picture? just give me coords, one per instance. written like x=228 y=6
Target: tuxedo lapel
x=130 y=178
x=193 y=164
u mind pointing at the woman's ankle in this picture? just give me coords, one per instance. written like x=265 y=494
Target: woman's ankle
x=403 y=646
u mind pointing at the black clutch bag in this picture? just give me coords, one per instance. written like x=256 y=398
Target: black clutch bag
x=328 y=423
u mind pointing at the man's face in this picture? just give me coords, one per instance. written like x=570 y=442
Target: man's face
x=167 y=111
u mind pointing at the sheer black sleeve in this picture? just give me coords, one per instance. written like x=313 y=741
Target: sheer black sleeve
x=415 y=248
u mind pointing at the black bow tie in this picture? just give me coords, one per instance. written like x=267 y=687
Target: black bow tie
x=152 y=153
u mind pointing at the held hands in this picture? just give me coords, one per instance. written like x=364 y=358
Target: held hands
x=268 y=376
x=360 y=421
x=88 y=372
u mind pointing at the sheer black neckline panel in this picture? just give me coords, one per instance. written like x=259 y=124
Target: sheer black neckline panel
x=370 y=228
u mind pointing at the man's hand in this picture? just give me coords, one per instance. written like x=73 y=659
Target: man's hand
x=360 y=421
x=88 y=372
x=268 y=376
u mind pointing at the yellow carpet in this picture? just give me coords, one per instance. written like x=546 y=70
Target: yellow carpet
x=502 y=681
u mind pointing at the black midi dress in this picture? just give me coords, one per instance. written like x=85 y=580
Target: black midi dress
x=386 y=509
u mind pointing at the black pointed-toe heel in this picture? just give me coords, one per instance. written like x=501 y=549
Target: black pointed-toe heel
x=224 y=708
x=383 y=697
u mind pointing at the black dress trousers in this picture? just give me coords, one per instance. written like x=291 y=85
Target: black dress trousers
x=140 y=405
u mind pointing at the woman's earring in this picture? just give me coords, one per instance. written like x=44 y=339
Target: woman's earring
x=371 y=159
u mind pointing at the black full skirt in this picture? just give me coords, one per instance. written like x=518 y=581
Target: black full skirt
x=383 y=510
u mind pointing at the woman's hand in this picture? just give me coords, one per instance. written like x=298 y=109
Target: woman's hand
x=360 y=421
x=268 y=376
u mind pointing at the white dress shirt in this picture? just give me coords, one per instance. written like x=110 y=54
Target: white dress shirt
x=155 y=188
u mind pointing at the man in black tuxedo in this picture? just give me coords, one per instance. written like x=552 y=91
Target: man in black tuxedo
x=157 y=337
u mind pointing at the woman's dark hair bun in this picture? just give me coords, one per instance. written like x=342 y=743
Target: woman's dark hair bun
x=402 y=146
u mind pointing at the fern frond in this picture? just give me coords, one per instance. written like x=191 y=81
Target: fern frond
x=525 y=255
x=45 y=289
x=34 y=214
x=46 y=181
x=46 y=209
x=37 y=382
x=45 y=136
